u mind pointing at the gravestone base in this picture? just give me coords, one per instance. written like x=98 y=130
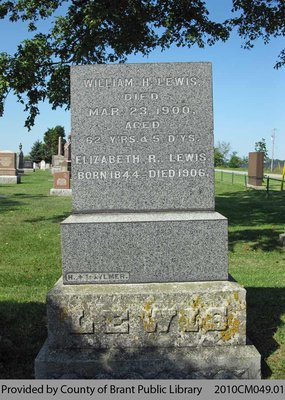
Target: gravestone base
x=9 y=179
x=232 y=362
x=60 y=192
x=178 y=330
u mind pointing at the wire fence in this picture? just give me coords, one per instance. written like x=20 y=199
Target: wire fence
x=241 y=178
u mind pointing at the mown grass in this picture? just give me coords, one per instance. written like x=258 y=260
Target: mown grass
x=30 y=264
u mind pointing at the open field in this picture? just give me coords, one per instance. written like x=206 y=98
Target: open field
x=30 y=264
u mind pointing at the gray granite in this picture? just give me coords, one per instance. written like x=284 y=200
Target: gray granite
x=144 y=247
x=146 y=315
x=234 y=362
x=142 y=137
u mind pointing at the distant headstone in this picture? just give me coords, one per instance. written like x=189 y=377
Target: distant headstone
x=21 y=158
x=59 y=149
x=145 y=290
x=61 y=184
x=8 y=170
x=28 y=164
x=255 y=168
x=43 y=165
x=61 y=180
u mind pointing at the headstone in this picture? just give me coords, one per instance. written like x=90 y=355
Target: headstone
x=67 y=153
x=59 y=149
x=8 y=170
x=255 y=168
x=145 y=290
x=61 y=184
x=20 y=165
x=28 y=164
x=43 y=165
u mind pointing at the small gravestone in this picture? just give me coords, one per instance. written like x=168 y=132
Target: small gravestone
x=61 y=184
x=28 y=164
x=145 y=289
x=255 y=168
x=43 y=165
x=8 y=170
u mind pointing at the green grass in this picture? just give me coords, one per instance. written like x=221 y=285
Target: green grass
x=30 y=264
x=257 y=261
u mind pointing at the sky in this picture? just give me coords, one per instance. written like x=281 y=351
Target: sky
x=248 y=93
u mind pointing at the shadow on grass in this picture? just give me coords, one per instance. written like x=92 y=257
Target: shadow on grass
x=6 y=204
x=55 y=218
x=251 y=208
x=256 y=239
x=30 y=196
x=22 y=333
x=265 y=306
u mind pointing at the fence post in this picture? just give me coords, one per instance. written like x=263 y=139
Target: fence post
x=245 y=181
x=267 y=184
x=222 y=176
x=232 y=178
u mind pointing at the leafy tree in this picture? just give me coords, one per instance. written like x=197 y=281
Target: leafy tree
x=219 y=159
x=261 y=146
x=37 y=152
x=224 y=148
x=105 y=31
x=235 y=161
x=51 y=141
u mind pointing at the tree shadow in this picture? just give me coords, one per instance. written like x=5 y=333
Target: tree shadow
x=256 y=239
x=265 y=306
x=55 y=218
x=251 y=207
x=30 y=196
x=6 y=204
x=22 y=332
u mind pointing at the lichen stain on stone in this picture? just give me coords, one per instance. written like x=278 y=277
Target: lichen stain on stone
x=149 y=324
x=233 y=328
x=236 y=296
x=206 y=325
x=197 y=302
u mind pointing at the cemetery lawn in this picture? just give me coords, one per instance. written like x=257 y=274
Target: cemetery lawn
x=30 y=264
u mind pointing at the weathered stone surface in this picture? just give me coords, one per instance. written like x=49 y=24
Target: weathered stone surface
x=142 y=137
x=144 y=247
x=7 y=180
x=147 y=315
x=8 y=161
x=233 y=362
x=61 y=180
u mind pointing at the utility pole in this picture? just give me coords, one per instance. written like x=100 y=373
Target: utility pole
x=273 y=144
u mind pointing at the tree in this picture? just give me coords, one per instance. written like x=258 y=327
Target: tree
x=105 y=31
x=219 y=160
x=235 y=161
x=224 y=148
x=51 y=141
x=37 y=152
x=261 y=146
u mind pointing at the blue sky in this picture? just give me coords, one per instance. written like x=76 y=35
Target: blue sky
x=248 y=91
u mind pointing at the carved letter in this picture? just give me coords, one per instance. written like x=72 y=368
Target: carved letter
x=82 y=325
x=215 y=319
x=116 y=322
x=156 y=320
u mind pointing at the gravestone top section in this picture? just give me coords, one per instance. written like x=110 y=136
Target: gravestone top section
x=142 y=137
